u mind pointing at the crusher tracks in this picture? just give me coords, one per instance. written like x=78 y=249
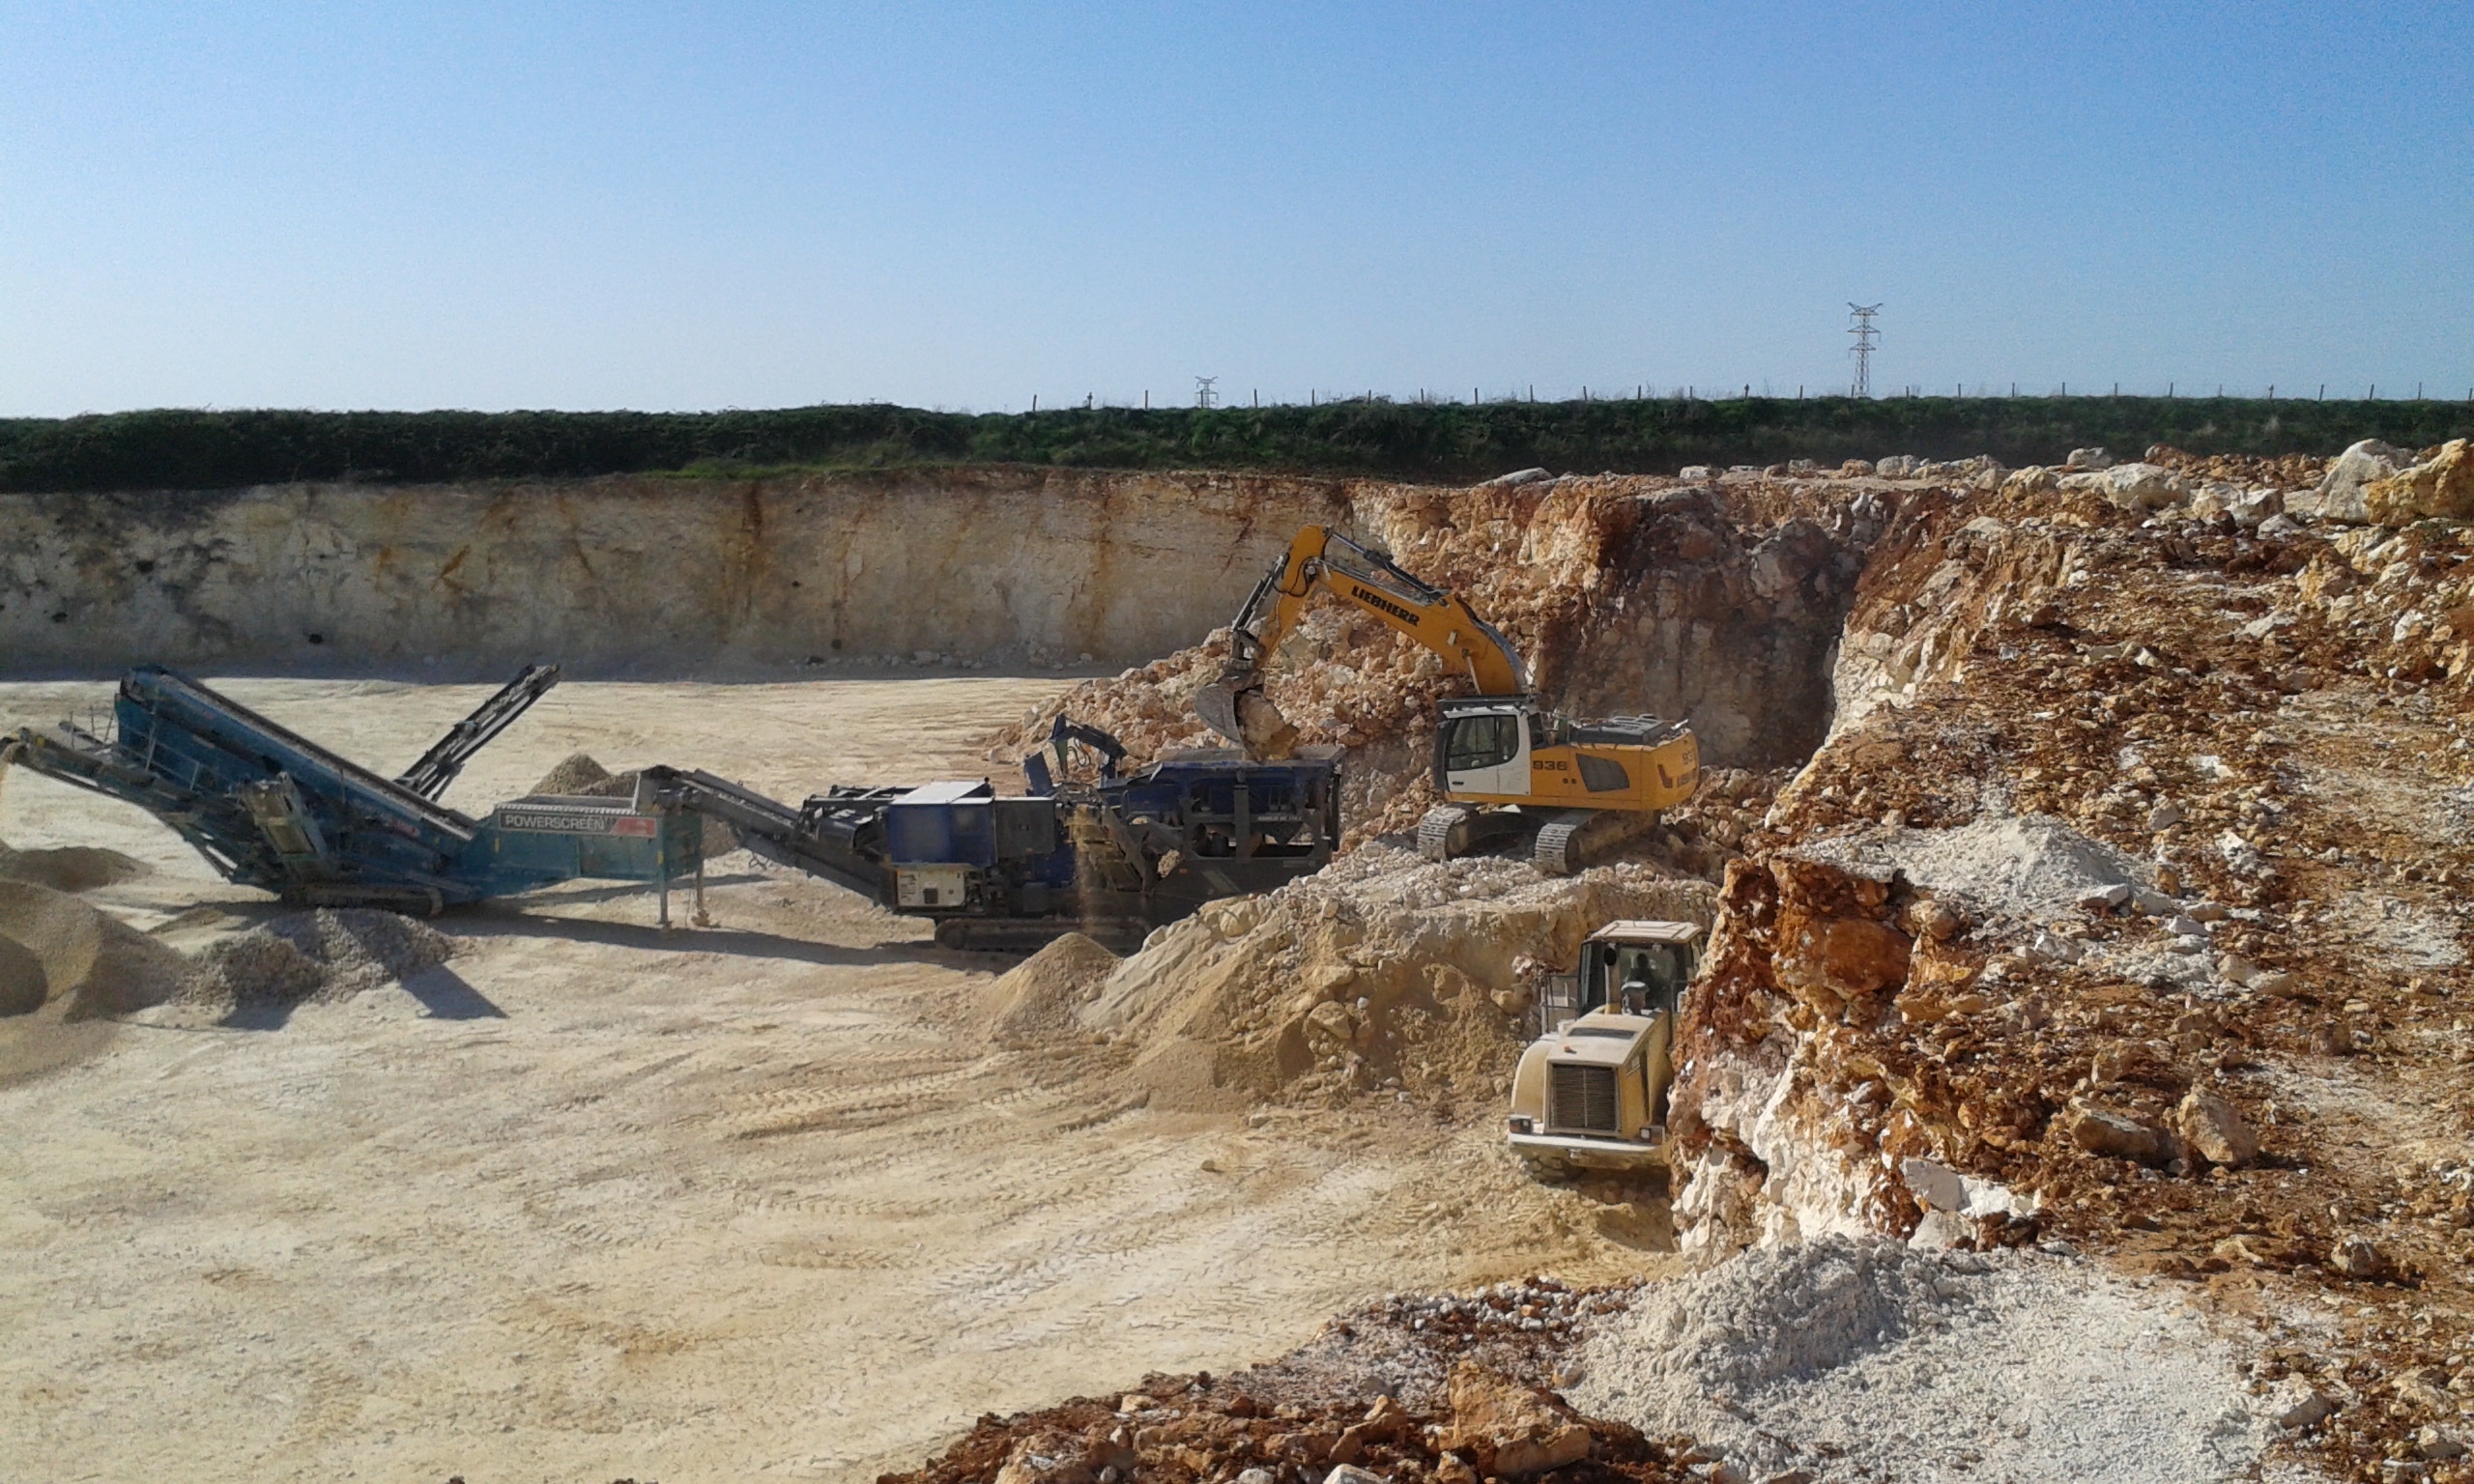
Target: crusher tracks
x=1571 y=840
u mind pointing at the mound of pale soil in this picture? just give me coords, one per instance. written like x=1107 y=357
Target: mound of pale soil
x=1383 y=972
x=319 y=955
x=1037 y=999
x=579 y=776
x=64 y=959
x=69 y=867
x=573 y=776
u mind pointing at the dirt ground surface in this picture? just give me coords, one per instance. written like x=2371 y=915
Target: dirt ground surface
x=588 y=1201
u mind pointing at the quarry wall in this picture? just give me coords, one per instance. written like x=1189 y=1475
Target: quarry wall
x=638 y=576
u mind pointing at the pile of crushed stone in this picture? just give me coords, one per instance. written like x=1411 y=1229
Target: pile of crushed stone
x=314 y=957
x=69 y=867
x=579 y=775
x=1864 y=1358
x=63 y=957
x=2028 y=868
x=1038 y=998
x=1382 y=975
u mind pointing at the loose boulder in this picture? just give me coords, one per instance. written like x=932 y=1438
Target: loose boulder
x=1512 y=1430
x=2215 y=1129
x=2114 y=1135
x=2340 y=495
x=2442 y=488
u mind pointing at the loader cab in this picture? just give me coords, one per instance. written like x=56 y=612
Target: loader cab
x=1481 y=746
x=1628 y=967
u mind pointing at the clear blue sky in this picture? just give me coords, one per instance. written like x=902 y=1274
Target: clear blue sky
x=752 y=205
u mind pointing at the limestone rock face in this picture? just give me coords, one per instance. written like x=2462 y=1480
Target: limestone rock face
x=2442 y=487
x=626 y=574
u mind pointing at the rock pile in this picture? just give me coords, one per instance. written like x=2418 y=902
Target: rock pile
x=313 y=958
x=67 y=961
x=1864 y=1358
x=1409 y=1391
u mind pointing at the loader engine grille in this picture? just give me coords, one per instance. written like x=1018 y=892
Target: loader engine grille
x=1581 y=1097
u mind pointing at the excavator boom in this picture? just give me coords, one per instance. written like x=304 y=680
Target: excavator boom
x=1369 y=578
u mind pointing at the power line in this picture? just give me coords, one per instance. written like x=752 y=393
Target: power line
x=1863 y=331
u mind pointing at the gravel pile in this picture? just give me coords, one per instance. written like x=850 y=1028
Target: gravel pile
x=1867 y=1359
x=2030 y=867
x=312 y=956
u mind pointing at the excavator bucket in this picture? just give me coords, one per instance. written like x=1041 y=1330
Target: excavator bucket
x=1217 y=704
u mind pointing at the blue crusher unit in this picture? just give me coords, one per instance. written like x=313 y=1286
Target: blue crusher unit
x=1116 y=857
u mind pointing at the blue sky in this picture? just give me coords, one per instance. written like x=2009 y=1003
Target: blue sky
x=752 y=205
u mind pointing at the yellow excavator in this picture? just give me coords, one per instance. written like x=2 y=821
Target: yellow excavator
x=1573 y=788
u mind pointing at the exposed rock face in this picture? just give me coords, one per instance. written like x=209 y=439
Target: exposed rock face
x=1760 y=1112
x=642 y=575
x=1623 y=595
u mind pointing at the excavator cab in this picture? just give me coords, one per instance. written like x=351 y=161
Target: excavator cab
x=1483 y=745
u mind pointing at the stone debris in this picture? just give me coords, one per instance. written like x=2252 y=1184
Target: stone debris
x=1415 y=1387
x=2214 y=1129
x=1865 y=1358
x=2357 y=1256
x=2440 y=487
x=316 y=957
x=2340 y=496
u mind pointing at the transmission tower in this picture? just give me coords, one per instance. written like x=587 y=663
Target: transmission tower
x=1863 y=331
x=1206 y=393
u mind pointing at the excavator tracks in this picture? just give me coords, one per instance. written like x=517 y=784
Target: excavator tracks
x=1572 y=839
x=1444 y=832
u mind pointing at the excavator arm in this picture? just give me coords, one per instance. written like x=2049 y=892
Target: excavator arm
x=1234 y=705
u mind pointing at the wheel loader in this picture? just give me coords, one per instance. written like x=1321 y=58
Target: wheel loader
x=1572 y=791
x=1591 y=1091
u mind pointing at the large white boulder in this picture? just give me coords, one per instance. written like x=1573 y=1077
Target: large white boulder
x=2340 y=495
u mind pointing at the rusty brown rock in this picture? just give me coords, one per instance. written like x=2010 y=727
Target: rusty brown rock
x=1513 y=1430
x=2215 y=1129
x=2112 y=1135
x=2357 y=1256
x=1845 y=958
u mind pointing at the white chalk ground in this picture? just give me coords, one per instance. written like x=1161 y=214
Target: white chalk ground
x=1868 y=1360
x=588 y=1202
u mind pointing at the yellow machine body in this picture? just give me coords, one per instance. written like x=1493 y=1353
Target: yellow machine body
x=1506 y=768
x=1591 y=1092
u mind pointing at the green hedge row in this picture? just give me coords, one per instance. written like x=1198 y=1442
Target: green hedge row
x=194 y=450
